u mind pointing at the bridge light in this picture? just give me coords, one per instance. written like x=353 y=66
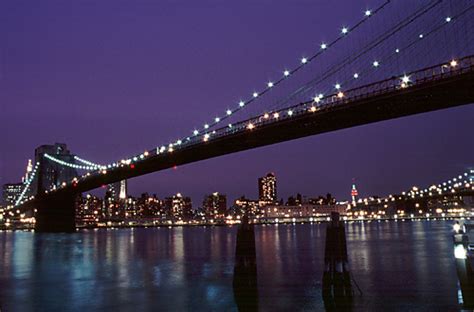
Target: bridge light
x=340 y=95
x=453 y=63
x=270 y=84
x=179 y=142
x=356 y=75
x=320 y=95
x=406 y=79
x=217 y=119
x=206 y=126
x=324 y=46
x=376 y=64
x=312 y=109
x=304 y=60
x=250 y=126
x=337 y=86
x=368 y=13
x=241 y=103
x=276 y=115
x=448 y=19
x=195 y=132
x=397 y=50
x=286 y=73
x=255 y=94
x=228 y=112
x=229 y=125
x=290 y=113
x=317 y=99
x=344 y=30
x=266 y=116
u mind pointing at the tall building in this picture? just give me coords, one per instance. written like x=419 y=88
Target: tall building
x=354 y=193
x=11 y=192
x=267 y=189
x=52 y=173
x=178 y=207
x=215 y=205
x=118 y=190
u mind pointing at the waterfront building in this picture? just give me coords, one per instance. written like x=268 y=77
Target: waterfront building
x=243 y=205
x=178 y=207
x=215 y=206
x=302 y=211
x=11 y=193
x=267 y=189
x=89 y=210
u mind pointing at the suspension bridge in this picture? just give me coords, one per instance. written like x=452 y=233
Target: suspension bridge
x=423 y=62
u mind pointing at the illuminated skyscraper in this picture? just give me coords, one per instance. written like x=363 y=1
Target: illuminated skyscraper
x=354 y=193
x=267 y=189
x=215 y=205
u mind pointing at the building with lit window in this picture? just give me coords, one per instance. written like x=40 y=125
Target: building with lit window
x=11 y=193
x=302 y=211
x=178 y=207
x=215 y=206
x=244 y=205
x=267 y=189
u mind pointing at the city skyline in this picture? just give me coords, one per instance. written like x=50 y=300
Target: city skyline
x=82 y=108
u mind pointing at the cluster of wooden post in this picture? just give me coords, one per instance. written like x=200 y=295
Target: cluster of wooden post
x=245 y=269
x=337 y=288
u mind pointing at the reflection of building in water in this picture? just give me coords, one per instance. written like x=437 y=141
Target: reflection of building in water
x=464 y=268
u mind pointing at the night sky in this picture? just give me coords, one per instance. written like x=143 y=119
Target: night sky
x=113 y=78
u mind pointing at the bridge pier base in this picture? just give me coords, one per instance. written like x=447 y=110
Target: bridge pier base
x=245 y=269
x=337 y=288
x=56 y=215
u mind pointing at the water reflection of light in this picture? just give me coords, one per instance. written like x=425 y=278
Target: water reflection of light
x=460 y=252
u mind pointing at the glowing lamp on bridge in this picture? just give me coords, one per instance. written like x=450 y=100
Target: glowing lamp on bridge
x=453 y=63
x=324 y=46
x=368 y=13
x=266 y=116
x=337 y=86
x=145 y=153
x=206 y=126
x=228 y=112
x=312 y=109
x=217 y=119
x=376 y=63
x=276 y=115
x=286 y=73
x=340 y=95
x=206 y=137
x=356 y=75
x=344 y=30
x=250 y=126
x=304 y=60
x=290 y=113
x=255 y=94
x=270 y=84
x=316 y=99
x=195 y=132
x=448 y=19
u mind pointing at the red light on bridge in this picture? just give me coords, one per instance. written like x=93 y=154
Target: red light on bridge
x=175 y=167
x=132 y=166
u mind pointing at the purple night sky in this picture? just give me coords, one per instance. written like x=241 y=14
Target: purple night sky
x=113 y=78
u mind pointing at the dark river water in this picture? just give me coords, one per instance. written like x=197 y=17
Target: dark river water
x=399 y=266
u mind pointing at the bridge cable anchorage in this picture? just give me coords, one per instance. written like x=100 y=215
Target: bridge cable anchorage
x=27 y=184
x=305 y=60
x=404 y=78
x=352 y=58
x=71 y=165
